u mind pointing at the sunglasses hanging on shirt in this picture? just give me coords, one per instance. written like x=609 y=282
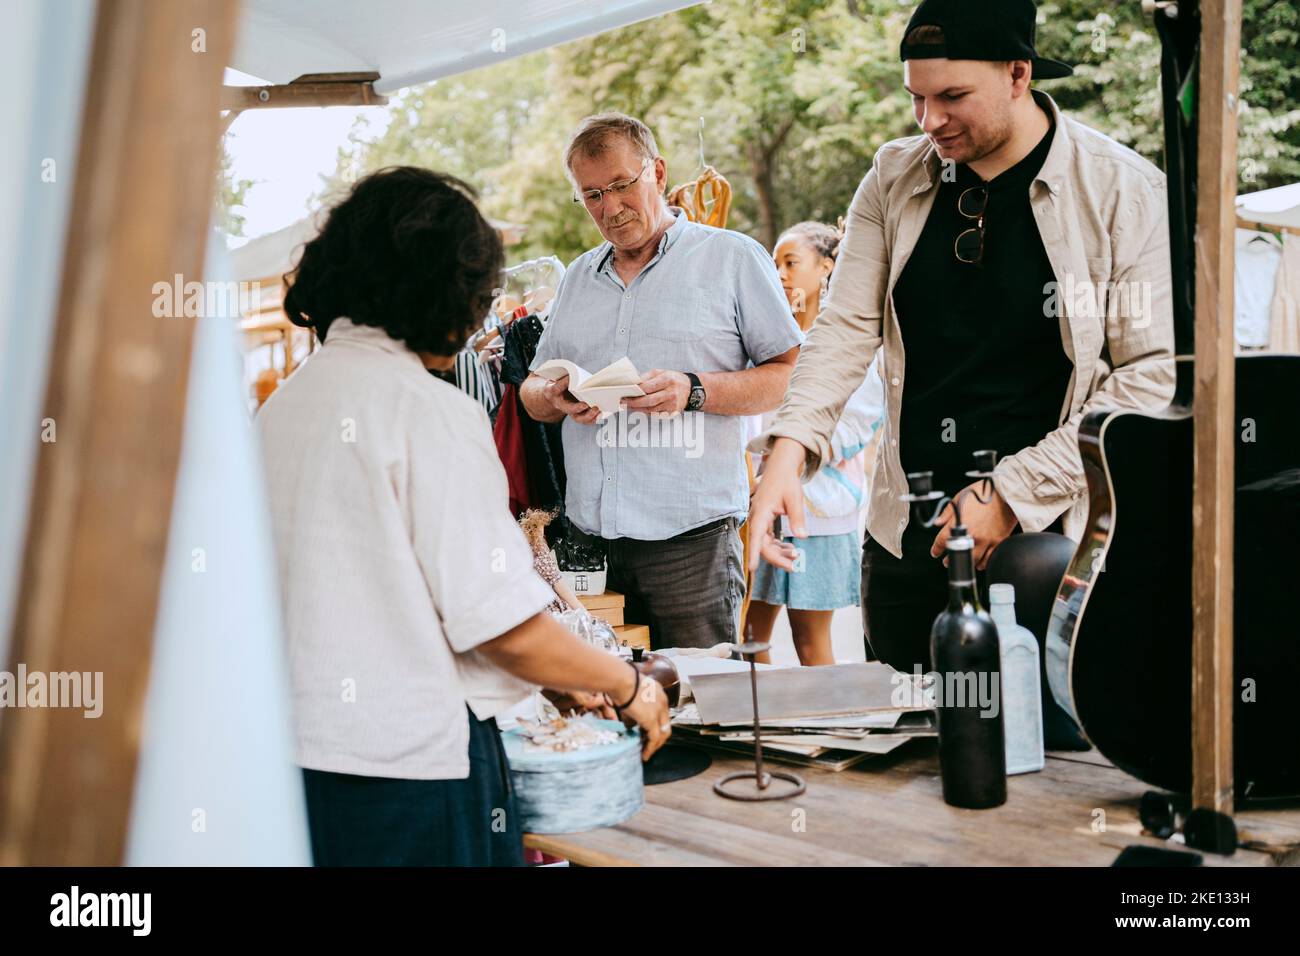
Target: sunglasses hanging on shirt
x=969 y=246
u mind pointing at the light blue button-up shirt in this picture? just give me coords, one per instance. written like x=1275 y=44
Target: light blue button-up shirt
x=710 y=301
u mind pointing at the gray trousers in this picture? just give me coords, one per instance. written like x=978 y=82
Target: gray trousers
x=689 y=589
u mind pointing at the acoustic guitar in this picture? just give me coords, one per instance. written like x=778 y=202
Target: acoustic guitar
x=1119 y=643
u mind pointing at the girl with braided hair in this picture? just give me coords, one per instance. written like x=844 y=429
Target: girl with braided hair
x=827 y=574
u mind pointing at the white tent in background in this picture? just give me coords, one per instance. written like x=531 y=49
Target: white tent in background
x=414 y=41
x=269 y=257
x=1278 y=207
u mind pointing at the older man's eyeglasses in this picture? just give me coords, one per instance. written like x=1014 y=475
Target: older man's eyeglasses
x=594 y=197
x=969 y=246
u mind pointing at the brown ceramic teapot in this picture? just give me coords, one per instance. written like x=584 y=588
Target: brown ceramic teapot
x=661 y=669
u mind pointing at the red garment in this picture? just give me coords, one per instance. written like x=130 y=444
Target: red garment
x=508 y=433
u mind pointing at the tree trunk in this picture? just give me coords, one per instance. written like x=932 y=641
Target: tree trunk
x=760 y=166
x=762 y=169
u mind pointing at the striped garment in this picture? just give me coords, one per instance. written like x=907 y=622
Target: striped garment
x=478 y=379
x=834 y=497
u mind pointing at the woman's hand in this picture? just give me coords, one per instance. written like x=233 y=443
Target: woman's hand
x=542 y=651
x=649 y=711
x=581 y=702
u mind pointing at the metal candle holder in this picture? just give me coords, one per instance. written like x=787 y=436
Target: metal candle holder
x=921 y=490
x=762 y=779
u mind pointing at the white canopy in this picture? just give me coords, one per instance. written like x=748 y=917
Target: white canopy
x=1272 y=207
x=414 y=41
x=274 y=254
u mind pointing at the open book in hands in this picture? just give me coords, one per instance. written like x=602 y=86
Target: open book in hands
x=605 y=389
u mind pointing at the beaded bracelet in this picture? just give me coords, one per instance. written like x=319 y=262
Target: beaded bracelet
x=637 y=687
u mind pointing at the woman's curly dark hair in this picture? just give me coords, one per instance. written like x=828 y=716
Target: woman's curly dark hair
x=407 y=252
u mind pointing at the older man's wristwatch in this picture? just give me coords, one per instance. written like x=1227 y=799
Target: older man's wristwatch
x=696 y=400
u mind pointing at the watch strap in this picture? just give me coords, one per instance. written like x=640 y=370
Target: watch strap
x=696 y=384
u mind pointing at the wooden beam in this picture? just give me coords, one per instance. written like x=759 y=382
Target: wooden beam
x=101 y=506
x=369 y=77
x=1268 y=227
x=310 y=89
x=227 y=120
x=1214 y=401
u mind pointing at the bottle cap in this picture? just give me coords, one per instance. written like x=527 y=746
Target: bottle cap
x=1002 y=594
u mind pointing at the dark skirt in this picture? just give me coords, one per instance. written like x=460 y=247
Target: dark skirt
x=379 y=821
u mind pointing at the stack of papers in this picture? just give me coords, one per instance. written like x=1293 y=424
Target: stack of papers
x=832 y=717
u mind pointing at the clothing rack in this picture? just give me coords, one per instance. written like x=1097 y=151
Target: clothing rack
x=534 y=276
x=531 y=286
x=1268 y=227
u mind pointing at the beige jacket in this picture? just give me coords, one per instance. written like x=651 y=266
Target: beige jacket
x=1102 y=215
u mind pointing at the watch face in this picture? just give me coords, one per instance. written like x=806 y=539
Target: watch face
x=696 y=400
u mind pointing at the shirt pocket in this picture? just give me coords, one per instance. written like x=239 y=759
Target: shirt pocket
x=677 y=315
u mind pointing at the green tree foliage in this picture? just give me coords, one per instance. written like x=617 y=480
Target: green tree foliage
x=230 y=197
x=796 y=97
x=1116 y=86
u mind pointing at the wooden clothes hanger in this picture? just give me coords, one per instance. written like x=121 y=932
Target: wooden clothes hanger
x=529 y=289
x=706 y=200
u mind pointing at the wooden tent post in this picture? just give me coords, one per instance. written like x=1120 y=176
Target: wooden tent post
x=1214 y=408
x=101 y=505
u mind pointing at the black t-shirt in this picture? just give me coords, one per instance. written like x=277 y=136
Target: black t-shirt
x=985 y=367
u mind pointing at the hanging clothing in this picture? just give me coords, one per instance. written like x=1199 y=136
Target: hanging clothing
x=543 y=453
x=508 y=434
x=1258 y=257
x=477 y=379
x=1284 y=329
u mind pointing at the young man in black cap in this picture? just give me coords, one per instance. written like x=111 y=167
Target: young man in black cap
x=1013 y=266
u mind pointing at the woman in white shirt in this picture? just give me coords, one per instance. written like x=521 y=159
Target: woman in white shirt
x=412 y=610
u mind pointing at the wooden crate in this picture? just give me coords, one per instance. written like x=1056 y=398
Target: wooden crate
x=613 y=616
x=609 y=599
x=608 y=607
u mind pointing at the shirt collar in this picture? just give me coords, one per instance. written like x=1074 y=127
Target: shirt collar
x=1054 y=169
x=674 y=232
x=343 y=330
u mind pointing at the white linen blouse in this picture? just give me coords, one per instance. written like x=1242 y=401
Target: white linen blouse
x=397 y=557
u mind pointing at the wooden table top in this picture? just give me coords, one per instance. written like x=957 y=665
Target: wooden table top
x=889 y=811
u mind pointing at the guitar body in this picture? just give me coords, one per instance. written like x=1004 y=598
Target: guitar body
x=1119 y=644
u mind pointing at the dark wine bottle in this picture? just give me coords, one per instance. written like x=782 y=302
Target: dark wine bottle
x=964 y=649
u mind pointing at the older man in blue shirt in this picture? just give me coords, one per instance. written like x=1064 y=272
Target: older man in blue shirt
x=701 y=314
